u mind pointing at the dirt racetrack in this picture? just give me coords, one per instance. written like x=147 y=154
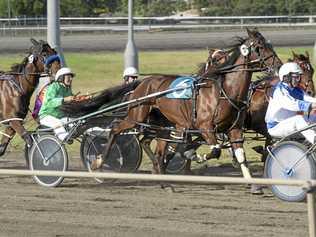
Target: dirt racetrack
x=81 y=207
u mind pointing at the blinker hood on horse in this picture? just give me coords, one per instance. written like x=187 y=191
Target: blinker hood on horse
x=17 y=87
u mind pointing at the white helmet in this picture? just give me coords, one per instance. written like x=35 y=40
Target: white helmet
x=130 y=71
x=63 y=71
x=288 y=68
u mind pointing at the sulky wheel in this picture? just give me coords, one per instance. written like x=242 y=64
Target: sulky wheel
x=94 y=148
x=47 y=153
x=176 y=164
x=289 y=160
x=132 y=152
x=128 y=146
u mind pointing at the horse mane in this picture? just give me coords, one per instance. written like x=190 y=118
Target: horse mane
x=19 y=67
x=234 y=53
x=76 y=109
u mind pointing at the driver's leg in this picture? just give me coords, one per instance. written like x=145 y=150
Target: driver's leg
x=56 y=124
x=290 y=125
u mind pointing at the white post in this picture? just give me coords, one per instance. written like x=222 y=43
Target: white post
x=130 y=55
x=53 y=27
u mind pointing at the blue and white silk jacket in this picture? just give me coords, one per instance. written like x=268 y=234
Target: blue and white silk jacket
x=285 y=103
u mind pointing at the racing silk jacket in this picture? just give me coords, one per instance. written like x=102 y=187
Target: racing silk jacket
x=53 y=98
x=39 y=102
x=285 y=103
x=40 y=93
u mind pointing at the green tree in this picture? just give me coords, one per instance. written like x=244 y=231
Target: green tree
x=33 y=8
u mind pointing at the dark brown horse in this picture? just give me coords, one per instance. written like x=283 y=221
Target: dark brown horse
x=17 y=87
x=219 y=105
x=260 y=98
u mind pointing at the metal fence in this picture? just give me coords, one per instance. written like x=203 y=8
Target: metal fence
x=88 y=24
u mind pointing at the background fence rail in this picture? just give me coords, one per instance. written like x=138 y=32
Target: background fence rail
x=79 y=24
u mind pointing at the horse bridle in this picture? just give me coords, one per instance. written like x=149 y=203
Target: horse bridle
x=262 y=62
x=32 y=58
x=257 y=49
x=305 y=66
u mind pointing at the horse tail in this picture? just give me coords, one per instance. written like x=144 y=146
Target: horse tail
x=76 y=109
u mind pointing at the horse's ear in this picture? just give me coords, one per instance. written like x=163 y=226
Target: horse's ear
x=42 y=42
x=250 y=32
x=211 y=50
x=34 y=42
x=307 y=54
x=294 y=54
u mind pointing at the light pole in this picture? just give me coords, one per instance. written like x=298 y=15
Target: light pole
x=53 y=27
x=130 y=55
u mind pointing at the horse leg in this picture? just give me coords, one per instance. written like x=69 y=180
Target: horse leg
x=136 y=114
x=18 y=127
x=210 y=139
x=236 y=140
x=160 y=163
x=6 y=140
x=267 y=143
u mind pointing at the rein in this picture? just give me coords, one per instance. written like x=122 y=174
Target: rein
x=241 y=105
x=226 y=69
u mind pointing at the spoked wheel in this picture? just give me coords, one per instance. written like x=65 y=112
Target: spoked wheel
x=132 y=152
x=47 y=153
x=290 y=161
x=95 y=148
x=125 y=154
x=176 y=164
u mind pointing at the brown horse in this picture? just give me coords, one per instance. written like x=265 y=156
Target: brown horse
x=219 y=105
x=17 y=87
x=260 y=98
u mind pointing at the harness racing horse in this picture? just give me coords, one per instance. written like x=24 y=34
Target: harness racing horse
x=219 y=105
x=261 y=92
x=17 y=87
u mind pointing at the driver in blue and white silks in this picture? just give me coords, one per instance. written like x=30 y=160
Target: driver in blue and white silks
x=285 y=113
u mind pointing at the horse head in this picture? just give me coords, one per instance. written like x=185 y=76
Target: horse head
x=39 y=53
x=259 y=53
x=216 y=57
x=253 y=54
x=303 y=61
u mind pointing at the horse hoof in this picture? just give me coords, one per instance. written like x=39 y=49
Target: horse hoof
x=215 y=154
x=256 y=189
